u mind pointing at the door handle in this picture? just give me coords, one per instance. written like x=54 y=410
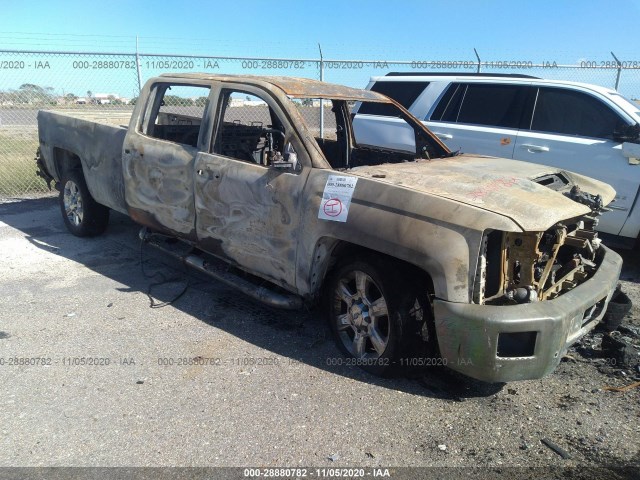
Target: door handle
x=535 y=148
x=443 y=136
x=207 y=172
x=132 y=151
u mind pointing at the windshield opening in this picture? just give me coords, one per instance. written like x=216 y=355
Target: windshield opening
x=347 y=142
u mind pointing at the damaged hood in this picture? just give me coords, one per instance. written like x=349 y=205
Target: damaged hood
x=499 y=185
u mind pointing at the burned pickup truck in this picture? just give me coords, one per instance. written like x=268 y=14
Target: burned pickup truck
x=418 y=255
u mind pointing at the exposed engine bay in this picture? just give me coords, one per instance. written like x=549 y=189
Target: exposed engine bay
x=523 y=267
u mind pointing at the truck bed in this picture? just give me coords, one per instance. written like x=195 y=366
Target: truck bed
x=96 y=138
x=102 y=115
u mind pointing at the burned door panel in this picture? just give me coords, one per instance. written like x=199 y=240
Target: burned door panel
x=248 y=191
x=159 y=185
x=158 y=160
x=249 y=214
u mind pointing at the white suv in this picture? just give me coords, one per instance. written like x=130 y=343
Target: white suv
x=577 y=127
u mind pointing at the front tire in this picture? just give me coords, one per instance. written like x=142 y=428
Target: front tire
x=82 y=215
x=379 y=315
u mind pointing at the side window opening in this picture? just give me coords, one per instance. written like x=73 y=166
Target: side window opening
x=569 y=112
x=493 y=105
x=405 y=93
x=176 y=114
x=250 y=130
x=332 y=138
x=449 y=105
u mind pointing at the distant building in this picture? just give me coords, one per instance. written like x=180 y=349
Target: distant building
x=101 y=99
x=242 y=102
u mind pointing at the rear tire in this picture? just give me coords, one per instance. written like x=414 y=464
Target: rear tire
x=83 y=216
x=379 y=317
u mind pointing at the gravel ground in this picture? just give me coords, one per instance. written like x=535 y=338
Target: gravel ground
x=272 y=394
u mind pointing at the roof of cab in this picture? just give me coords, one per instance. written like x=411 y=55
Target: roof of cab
x=292 y=86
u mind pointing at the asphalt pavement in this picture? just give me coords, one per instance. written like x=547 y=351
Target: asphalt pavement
x=90 y=375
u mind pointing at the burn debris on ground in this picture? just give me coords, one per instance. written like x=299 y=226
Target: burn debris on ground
x=615 y=345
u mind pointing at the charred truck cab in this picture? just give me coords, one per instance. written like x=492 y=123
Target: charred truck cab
x=417 y=255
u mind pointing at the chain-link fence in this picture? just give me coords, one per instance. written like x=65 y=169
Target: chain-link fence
x=110 y=82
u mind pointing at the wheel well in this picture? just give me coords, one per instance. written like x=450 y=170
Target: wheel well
x=342 y=250
x=64 y=161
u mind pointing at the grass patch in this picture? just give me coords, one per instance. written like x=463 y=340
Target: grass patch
x=18 y=178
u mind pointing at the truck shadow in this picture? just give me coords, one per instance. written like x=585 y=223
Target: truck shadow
x=298 y=336
x=630 y=266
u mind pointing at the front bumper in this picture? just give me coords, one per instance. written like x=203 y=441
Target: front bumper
x=479 y=340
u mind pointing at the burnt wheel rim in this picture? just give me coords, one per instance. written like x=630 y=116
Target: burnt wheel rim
x=72 y=199
x=361 y=315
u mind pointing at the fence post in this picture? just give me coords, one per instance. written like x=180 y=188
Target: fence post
x=619 y=70
x=321 y=101
x=478 y=57
x=138 y=67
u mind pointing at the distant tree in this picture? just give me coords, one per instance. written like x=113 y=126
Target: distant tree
x=173 y=100
x=6 y=97
x=200 y=101
x=30 y=87
x=133 y=101
x=114 y=101
x=34 y=94
x=90 y=98
x=70 y=98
